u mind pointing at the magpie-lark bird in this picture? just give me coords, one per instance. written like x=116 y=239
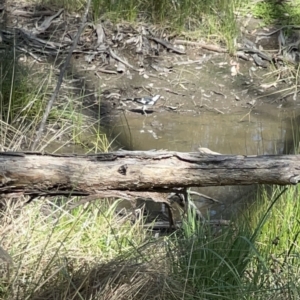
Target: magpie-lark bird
x=147 y=101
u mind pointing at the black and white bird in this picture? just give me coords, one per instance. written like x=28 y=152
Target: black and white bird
x=147 y=101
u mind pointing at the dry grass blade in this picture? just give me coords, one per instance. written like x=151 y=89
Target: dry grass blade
x=116 y=280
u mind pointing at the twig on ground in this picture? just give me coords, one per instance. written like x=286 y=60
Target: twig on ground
x=201 y=45
x=247 y=114
x=204 y=196
x=119 y=59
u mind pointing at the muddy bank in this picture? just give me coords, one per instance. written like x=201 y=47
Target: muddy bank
x=123 y=62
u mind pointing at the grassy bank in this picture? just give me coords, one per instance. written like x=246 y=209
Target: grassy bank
x=25 y=89
x=58 y=250
x=282 y=12
x=214 y=20
x=278 y=241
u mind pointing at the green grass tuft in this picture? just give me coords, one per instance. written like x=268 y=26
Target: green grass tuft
x=272 y=12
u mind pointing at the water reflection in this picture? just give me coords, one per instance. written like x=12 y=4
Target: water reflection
x=258 y=133
x=226 y=134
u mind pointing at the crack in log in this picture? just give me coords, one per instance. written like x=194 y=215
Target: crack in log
x=103 y=157
x=19 y=154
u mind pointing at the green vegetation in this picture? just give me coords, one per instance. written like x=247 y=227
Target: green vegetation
x=24 y=93
x=214 y=20
x=63 y=249
x=51 y=243
x=279 y=12
x=277 y=242
x=213 y=261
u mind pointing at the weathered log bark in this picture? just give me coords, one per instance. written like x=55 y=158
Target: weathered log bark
x=136 y=171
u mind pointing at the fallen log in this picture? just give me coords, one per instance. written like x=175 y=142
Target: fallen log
x=122 y=173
